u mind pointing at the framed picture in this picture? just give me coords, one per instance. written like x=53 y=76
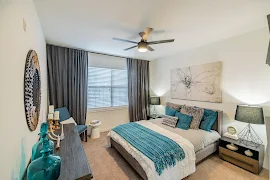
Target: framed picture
x=32 y=90
x=198 y=83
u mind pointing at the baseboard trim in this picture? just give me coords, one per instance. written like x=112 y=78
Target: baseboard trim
x=106 y=129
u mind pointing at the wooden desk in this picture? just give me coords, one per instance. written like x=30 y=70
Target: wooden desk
x=74 y=163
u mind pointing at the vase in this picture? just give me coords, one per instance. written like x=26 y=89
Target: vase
x=36 y=149
x=46 y=167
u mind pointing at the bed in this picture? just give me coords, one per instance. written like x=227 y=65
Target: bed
x=204 y=143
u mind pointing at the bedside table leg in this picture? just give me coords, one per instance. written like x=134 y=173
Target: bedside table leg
x=85 y=135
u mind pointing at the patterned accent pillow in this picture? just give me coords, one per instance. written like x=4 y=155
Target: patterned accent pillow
x=169 y=120
x=197 y=114
x=173 y=106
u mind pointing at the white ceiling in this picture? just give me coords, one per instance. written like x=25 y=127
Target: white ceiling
x=91 y=24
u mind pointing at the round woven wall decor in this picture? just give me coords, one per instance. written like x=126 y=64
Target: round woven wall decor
x=32 y=90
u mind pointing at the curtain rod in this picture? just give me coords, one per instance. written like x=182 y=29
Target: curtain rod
x=100 y=53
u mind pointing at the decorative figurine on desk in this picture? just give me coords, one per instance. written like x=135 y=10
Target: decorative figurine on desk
x=53 y=118
x=47 y=167
x=56 y=120
x=39 y=145
x=50 y=120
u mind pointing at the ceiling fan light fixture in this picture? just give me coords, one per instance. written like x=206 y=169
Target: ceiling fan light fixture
x=142 y=46
x=142 y=49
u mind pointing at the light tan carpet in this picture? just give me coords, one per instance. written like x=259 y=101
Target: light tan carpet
x=107 y=163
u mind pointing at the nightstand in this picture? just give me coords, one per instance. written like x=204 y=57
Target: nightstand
x=252 y=162
x=152 y=117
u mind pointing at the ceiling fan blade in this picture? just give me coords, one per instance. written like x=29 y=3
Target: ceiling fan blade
x=142 y=34
x=149 y=48
x=130 y=48
x=161 y=41
x=147 y=32
x=124 y=40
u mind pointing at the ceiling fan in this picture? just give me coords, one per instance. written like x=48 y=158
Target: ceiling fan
x=143 y=45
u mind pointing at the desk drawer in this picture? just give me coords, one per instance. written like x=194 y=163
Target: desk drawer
x=241 y=150
x=240 y=160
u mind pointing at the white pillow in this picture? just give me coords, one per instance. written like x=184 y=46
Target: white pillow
x=69 y=121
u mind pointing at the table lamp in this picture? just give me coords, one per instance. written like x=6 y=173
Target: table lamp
x=251 y=115
x=154 y=101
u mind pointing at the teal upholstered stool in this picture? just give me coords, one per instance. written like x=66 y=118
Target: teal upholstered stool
x=64 y=115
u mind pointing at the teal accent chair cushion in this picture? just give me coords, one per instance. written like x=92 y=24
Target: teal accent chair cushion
x=81 y=128
x=64 y=115
x=170 y=111
x=209 y=118
x=184 y=120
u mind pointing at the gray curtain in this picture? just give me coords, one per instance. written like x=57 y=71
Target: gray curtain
x=138 y=89
x=67 y=79
x=268 y=53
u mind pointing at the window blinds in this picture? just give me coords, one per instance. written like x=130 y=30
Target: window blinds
x=107 y=87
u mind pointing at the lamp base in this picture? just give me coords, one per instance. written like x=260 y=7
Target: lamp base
x=249 y=137
x=154 y=112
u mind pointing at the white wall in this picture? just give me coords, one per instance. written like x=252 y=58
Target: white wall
x=245 y=76
x=17 y=140
x=109 y=118
x=104 y=61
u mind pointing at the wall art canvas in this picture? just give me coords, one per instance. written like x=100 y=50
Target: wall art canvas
x=198 y=83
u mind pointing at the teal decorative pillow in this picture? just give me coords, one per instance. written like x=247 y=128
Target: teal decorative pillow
x=209 y=118
x=184 y=120
x=170 y=111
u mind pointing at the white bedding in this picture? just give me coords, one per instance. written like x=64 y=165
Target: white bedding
x=198 y=137
x=179 y=171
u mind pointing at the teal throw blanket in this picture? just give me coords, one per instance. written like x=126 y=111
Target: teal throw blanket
x=163 y=151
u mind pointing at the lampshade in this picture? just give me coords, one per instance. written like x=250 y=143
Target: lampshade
x=249 y=114
x=155 y=100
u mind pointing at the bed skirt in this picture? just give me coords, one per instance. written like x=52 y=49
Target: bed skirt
x=200 y=155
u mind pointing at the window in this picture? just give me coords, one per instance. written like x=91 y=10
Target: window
x=107 y=87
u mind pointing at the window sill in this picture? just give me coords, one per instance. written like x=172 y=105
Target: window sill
x=93 y=110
